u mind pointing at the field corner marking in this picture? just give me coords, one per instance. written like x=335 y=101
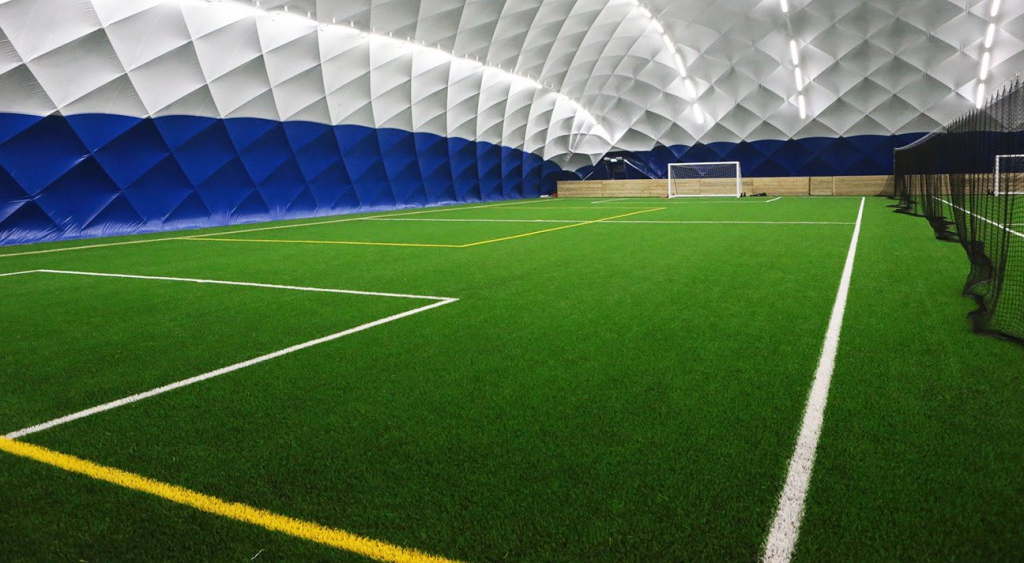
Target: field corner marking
x=780 y=544
x=303 y=529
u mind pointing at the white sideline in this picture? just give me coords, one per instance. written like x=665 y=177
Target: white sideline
x=691 y=200
x=733 y=222
x=985 y=219
x=438 y=302
x=781 y=541
x=611 y=200
x=18 y=273
x=627 y=222
x=771 y=200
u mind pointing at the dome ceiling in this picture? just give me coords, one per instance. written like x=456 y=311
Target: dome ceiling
x=565 y=79
x=870 y=66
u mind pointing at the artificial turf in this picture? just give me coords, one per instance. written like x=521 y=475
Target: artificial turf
x=602 y=392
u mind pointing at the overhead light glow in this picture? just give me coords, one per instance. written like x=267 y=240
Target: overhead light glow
x=785 y=6
x=793 y=52
x=980 y=100
x=698 y=114
x=802 y=103
x=995 y=8
x=691 y=90
x=669 y=43
x=990 y=35
x=986 y=59
x=799 y=79
x=680 y=65
x=255 y=11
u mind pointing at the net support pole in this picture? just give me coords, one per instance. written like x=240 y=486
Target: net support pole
x=998 y=158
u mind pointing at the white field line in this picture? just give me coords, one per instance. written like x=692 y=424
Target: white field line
x=985 y=219
x=438 y=302
x=771 y=200
x=18 y=273
x=781 y=541
x=682 y=200
x=727 y=200
x=717 y=199
x=611 y=200
x=627 y=222
x=246 y=284
x=735 y=222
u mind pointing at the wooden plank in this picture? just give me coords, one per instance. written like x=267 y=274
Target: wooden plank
x=822 y=185
x=862 y=185
x=718 y=186
x=794 y=185
x=787 y=186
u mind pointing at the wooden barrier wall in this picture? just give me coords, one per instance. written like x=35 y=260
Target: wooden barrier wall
x=789 y=186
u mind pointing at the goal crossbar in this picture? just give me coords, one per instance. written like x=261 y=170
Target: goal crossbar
x=710 y=179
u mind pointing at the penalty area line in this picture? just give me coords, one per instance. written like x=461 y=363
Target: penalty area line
x=303 y=529
x=438 y=302
x=781 y=541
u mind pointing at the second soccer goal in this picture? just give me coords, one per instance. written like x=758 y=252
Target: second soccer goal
x=705 y=179
x=1009 y=176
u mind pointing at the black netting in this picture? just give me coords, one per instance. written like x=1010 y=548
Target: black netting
x=967 y=179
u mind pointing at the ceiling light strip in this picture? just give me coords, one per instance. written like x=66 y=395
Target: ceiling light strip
x=986 y=56
x=254 y=9
x=670 y=45
x=794 y=56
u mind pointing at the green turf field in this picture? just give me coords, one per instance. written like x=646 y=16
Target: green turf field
x=541 y=380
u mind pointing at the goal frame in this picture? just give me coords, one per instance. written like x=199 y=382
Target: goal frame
x=999 y=157
x=739 y=178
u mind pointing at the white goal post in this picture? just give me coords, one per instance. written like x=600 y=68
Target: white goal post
x=705 y=179
x=1009 y=177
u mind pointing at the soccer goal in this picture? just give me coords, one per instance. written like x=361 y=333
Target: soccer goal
x=1009 y=174
x=705 y=179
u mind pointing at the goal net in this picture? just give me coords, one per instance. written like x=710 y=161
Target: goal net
x=1009 y=174
x=704 y=179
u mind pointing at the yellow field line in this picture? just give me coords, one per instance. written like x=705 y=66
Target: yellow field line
x=332 y=537
x=591 y=208
x=563 y=227
x=347 y=242
x=422 y=245
x=348 y=219
x=312 y=224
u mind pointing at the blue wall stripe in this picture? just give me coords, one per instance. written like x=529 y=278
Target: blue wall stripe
x=102 y=175
x=861 y=155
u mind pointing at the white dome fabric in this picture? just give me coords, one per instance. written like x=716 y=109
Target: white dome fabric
x=496 y=98
x=877 y=67
x=150 y=58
